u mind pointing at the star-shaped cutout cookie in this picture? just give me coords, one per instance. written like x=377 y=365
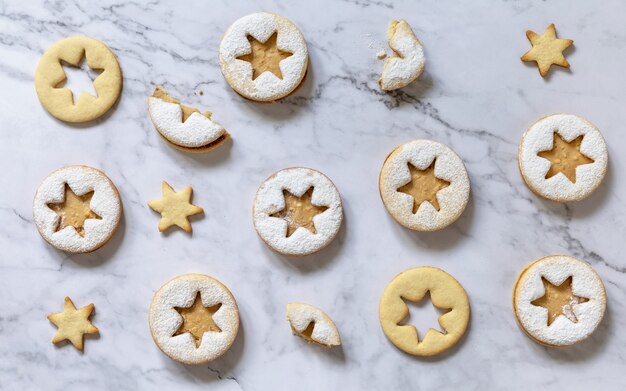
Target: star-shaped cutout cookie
x=197 y=320
x=175 y=208
x=265 y=56
x=559 y=300
x=424 y=186
x=565 y=157
x=73 y=211
x=547 y=50
x=299 y=212
x=73 y=324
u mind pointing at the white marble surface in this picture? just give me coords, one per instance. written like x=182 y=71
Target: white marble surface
x=476 y=96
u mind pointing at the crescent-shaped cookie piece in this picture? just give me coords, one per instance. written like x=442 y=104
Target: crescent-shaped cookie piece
x=312 y=324
x=407 y=62
x=184 y=127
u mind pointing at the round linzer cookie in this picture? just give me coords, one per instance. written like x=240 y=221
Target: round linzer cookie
x=407 y=62
x=184 y=127
x=563 y=157
x=558 y=300
x=424 y=185
x=194 y=319
x=297 y=211
x=60 y=102
x=445 y=293
x=77 y=209
x=263 y=57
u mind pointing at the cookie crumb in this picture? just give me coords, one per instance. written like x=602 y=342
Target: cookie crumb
x=380 y=55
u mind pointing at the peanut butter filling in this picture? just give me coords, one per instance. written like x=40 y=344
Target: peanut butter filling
x=73 y=211
x=265 y=56
x=559 y=300
x=197 y=319
x=424 y=186
x=307 y=334
x=299 y=212
x=565 y=157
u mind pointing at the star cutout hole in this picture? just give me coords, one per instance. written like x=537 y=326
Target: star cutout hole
x=559 y=300
x=565 y=157
x=424 y=186
x=79 y=78
x=423 y=315
x=299 y=212
x=197 y=320
x=265 y=56
x=73 y=211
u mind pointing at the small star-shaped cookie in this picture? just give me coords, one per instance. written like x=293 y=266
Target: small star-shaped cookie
x=547 y=50
x=73 y=324
x=175 y=208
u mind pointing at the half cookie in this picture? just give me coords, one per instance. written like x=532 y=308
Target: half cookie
x=184 y=127
x=263 y=57
x=558 y=300
x=424 y=185
x=563 y=157
x=407 y=62
x=297 y=211
x=77 y=209
x=194 y=319
x=312 y=324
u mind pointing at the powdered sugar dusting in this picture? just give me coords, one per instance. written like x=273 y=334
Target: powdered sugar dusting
x=267 y=87
x=325 y=332
x=165 y=320
x=197 y=131
x=270 y=199
x=408 y=61
x=585 y=283
x=448 y=166
x=540 y=136
x=105 y=203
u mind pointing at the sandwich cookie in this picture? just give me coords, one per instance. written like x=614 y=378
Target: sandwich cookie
x=263 y=57
x=194 y=319
x=77 y=209
x=563 y=158
x=297 y=211
x=558 y=300
x=424 y=185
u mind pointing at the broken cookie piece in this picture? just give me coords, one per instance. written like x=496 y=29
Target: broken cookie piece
x=312 y=324
x=407 y=62
x=184 y=127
